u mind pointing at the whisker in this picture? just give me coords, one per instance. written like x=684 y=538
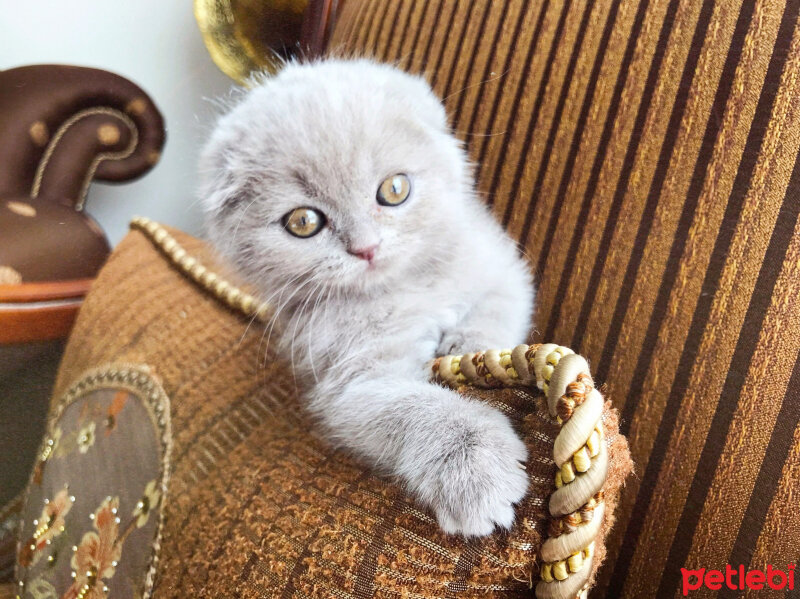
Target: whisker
x=309 y=330
x=463 y=89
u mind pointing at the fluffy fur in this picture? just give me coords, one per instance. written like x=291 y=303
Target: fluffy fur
x=444 y=279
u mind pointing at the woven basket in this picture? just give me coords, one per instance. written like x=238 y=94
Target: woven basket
x=252 y=503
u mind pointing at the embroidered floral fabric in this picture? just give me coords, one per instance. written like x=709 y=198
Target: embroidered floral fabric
x=91 y=520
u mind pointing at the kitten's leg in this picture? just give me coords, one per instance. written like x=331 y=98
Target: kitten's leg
x=500 y=319
x=456 y=455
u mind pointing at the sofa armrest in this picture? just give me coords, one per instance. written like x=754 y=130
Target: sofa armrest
x=62 y=126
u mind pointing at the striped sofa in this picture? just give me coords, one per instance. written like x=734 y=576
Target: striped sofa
x=644 y=153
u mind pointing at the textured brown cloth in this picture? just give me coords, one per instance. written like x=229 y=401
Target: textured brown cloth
x=645 y=155
x=257 y=505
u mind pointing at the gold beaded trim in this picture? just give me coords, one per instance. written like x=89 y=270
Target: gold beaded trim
x=581 y=456
x=228 y=294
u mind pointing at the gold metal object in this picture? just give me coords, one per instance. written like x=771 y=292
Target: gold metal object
x=247 y=36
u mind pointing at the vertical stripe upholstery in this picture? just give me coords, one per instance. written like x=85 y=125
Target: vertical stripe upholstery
x=644 y=154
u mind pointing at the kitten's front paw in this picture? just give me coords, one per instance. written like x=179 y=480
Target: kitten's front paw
x=481 y=476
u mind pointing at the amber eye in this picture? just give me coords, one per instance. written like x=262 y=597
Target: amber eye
x=304 y=222
x=394 y=190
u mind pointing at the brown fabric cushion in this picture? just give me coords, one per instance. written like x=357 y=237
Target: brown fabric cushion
x=258 y=505
x=645 y=155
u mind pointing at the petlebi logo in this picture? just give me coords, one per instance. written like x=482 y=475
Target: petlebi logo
x=735 y=578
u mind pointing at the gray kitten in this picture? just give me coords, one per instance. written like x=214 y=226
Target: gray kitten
x=338 y=189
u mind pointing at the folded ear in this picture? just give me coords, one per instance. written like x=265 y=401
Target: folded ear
x=220 y=191
x=428 y=107
x=63 y=126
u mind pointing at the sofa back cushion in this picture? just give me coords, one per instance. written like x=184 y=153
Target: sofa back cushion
x=645 y=155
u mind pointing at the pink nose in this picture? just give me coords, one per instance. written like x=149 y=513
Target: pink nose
x=366 y=253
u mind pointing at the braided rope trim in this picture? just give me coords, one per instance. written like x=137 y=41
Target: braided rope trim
x=227 y=293
x=580 y=454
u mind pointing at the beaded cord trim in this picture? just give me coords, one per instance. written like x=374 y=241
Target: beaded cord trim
x=579 y=451
x=222 y=290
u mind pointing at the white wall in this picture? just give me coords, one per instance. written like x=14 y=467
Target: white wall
x=157 y=45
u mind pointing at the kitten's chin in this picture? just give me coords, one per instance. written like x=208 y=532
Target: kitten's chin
x=367 y=278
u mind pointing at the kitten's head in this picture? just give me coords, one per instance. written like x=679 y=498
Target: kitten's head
x=340 y=173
